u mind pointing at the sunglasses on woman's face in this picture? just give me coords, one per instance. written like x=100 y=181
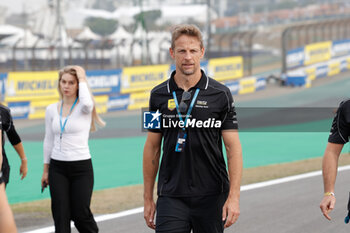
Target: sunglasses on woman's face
x=186 y=95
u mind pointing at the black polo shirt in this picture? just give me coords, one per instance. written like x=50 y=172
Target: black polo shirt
x=340 y=130
x=200 y=168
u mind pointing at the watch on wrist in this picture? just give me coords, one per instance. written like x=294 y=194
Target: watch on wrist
x=329 y=194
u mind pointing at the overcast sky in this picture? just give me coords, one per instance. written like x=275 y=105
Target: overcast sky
x=16 y=6
x=71 y=17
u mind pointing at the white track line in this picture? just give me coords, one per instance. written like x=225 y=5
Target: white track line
x=243 y=188
x=287 y=179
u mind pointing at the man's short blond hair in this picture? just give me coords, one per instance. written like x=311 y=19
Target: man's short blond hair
x=186 y=29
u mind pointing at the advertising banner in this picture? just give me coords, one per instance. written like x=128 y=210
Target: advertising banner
x=142 y=78
x=118 y=102
x=28 y=86
x=318 y=52
x=139 y=100
x=19 y=110
x=101 y=102
x=227 y=68
x=322 y=71
x=311 y=73
x=348 y=61
x=260 y=84
x=333 y=68
x=343 y=65
x=38 y=107
x=247 y=85
x=104 y=82
x=340 y=48
x=295 y=58
x=3 y=80
x=233 y=86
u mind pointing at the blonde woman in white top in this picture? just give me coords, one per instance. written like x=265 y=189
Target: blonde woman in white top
x=67 y=160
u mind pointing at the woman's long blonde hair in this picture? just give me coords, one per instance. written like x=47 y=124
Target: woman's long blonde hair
x=95 y=117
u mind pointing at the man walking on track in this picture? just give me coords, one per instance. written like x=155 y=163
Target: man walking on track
x=339 y=135
x=195 y=190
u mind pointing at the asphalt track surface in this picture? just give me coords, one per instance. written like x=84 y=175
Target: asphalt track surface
x=288 y=207
x=284 y=208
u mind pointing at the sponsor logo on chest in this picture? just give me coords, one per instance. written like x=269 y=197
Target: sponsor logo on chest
x=201 y=104
x=171 y=104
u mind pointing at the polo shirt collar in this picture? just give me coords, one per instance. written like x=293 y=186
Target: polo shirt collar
x=202 y=83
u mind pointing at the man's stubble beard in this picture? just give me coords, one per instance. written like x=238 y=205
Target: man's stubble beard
x=189 y=72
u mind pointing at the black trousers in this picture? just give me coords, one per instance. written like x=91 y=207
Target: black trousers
x=201 y=214
x=5 y=170
x=71 y=185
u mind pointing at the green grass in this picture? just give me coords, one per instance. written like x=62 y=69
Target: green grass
x=118 y=161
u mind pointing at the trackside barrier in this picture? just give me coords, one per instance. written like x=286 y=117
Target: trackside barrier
x=316 y=53
x=317 y=60
x=304 y=76
x=246 y=85
x=28 y=94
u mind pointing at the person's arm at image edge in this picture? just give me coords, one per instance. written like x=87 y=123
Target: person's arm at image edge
x=16 y=142
x=151 y=155
x=48 y=146
x=24 y=162
x=235 y=165
x=329 y=171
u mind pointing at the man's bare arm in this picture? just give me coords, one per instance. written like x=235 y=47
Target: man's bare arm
x=235 y=166
x=329 y=170
x=151 y=155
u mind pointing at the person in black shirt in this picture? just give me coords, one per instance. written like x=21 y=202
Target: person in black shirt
x=15 y=140
x=195 y=192
x=7 y=222
x=339 y=135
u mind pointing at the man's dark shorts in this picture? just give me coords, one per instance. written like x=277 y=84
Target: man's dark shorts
x=202 y=214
